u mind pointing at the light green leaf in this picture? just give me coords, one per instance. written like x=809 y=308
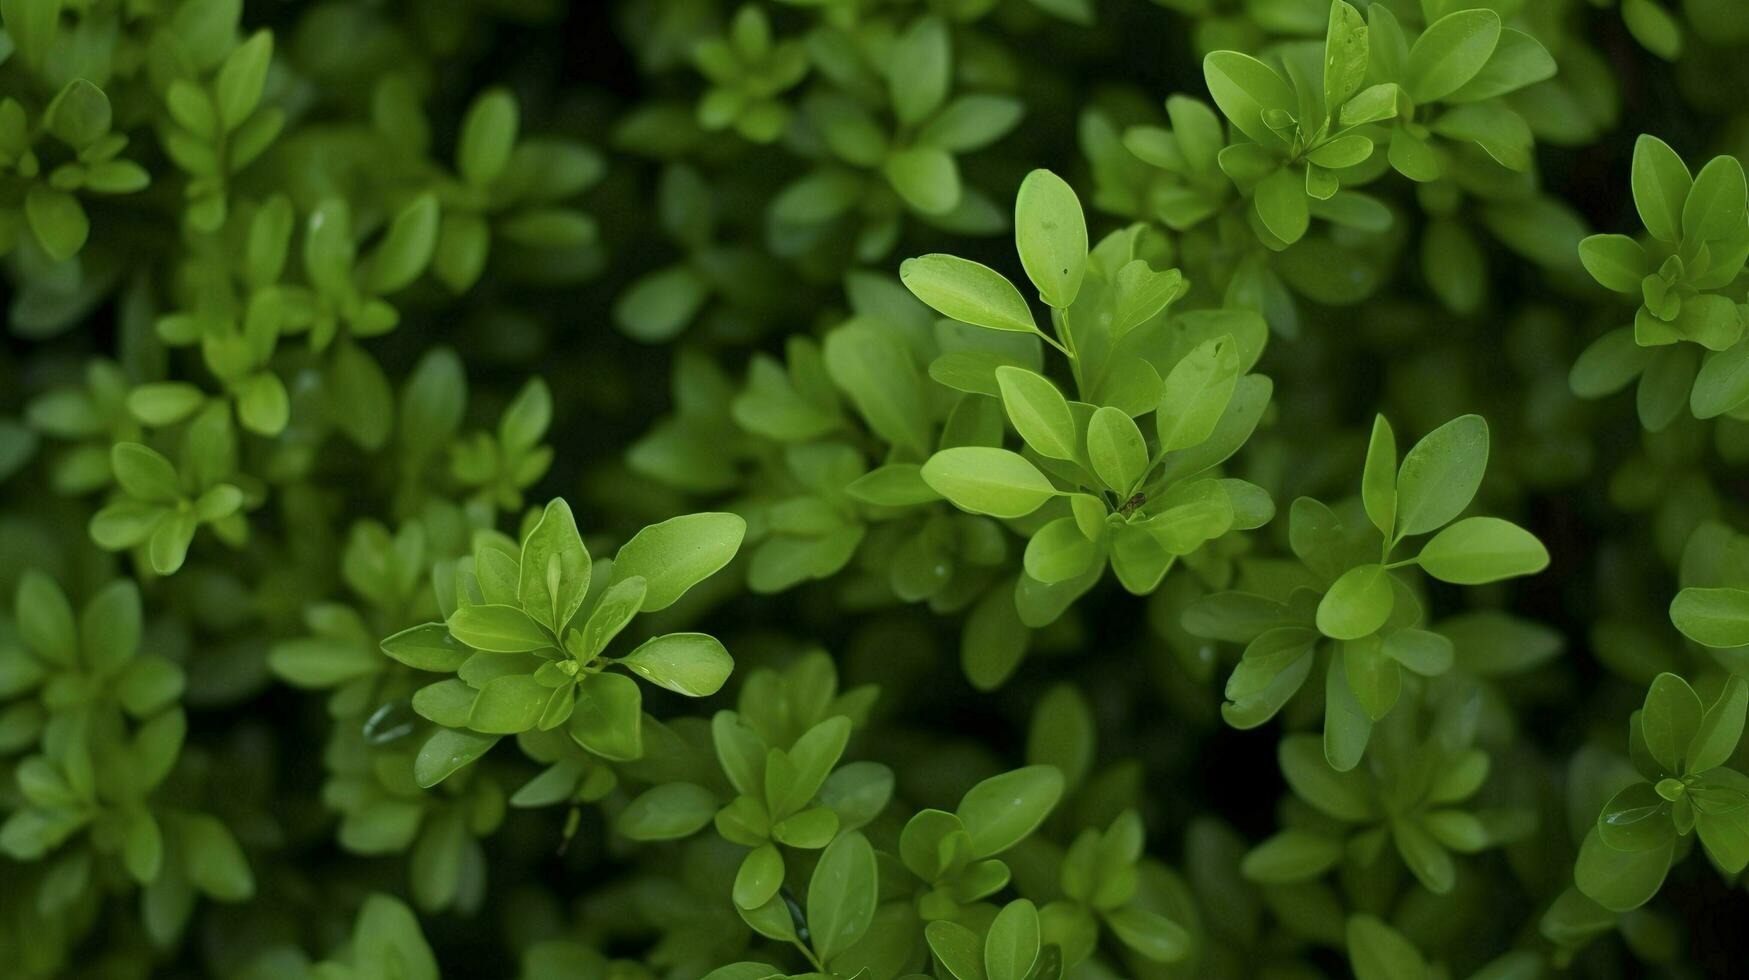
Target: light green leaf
x=1476 y=550
x=693 y=664
x=988 y=481
x=1051 y=236
x=679 y=553
x=1440 y=475
x=967 y=291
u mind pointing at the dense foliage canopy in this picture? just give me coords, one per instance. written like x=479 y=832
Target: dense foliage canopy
x=874 y=489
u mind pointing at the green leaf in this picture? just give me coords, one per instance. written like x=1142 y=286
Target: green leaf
x=988 y=481
x=45 y=618
x=1290 y=856
x=32 y=25
x=926 y=178
x=214 y=861
x=1669 y=721
x=1722 y=385
x=1059 y=552
x=1002 y=810
x=959 y=949
x=608 y=719
x=498 y=629
x=1712 y=617
x=920 y=71
x=1714 y=206
x=1440 y=475
x=1519 y=60
x=1617 y=262
x=1345 y=55
x=1379 y=952
x=1282 y=204
x=446 y=751
x=1661 y=184
x=1476 y=550
x=841 y=895
x=1620 y=880
x=1197 y=392
x=693 y=664
x=679 y=553
x=759 y=878
x=1116 y=450
x=508 y=705
x=1141 y=294
x=1051 y=235
x=1012 y=946
x=1449 y=53
x=1039 y=412
x=487 y=136
x=241 y=78
x=1152 y=935
x=57 y=220
x=967 y=291
x=387 y=942
x=1378 y=481
x=1635 y=819
x=1357 y=604
x=427 y=647
x=407 y=247
x=1245 y=89
x=554 y=576
x=667 y=812
x=79 y=115
x=144 y=473
x=1374 y=678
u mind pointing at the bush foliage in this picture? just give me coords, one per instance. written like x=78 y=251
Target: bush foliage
x=873 y=489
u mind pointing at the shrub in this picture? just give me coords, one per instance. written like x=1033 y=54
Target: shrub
x=618 y=490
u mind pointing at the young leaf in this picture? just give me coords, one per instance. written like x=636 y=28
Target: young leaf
x=1039 y=412
x=967 y=291
x=988 y=481
x=1449 y=53
x=1476 y=550
x=1661 y=183
x=1440 y=475
x=1051 y=235
x=673 y=556
x=1378 y=481
x=842 y=895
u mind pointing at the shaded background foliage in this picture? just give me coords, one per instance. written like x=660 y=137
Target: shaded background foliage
x=1613 y=503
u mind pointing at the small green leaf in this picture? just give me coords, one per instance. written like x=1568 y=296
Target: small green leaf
x=488 y=134
x=1440 y=475
x=988 y=481
x=1012 y=946
x=1379 y=952
x=1714 y=206
x=1357 y=604
x=1002 y=810
x=1197 y=392
x=693 y=664
x=1039 y=412
x=1476 y=550
x=1378 y=481
x=967 y=291
x=667 y=812
x=1712 y=617
x=1661 y=184
x=554 y=576
x=1449 y=53
x=842 y=894
x=1116 y=450
x=1051 y=235
x=679 y=553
